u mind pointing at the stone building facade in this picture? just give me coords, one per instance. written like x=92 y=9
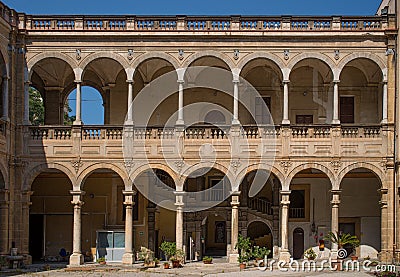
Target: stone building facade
x=318 y=134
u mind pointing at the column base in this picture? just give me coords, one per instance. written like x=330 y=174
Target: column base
x=286 y=122
x=284 y=256
x=235 y=122
x=26 y=122
x=384 y=121
x=233 y=258
x=180 y=123
x=128 y=259
x=127 y=123
x=333 y=255
x=386 y=256
x=75 y=123
x=76 y=260
x=336 y=122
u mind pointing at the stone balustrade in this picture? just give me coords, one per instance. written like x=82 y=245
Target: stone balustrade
x=314 y=140
x=201 y=24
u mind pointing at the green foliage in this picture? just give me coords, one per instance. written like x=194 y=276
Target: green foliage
x=342 y=239
x=169 y=249
x=36 y=107
x=207 y=259
x=3 y=261
x=146 y=255
x=68 y=120
x=100 y=260
x=244 y=246
x=258 y=252
x=310 y=254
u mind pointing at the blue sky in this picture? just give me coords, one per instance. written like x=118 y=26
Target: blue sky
x=92 y=102
x=204 y=7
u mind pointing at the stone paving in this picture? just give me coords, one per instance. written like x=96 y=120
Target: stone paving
x=218 y=268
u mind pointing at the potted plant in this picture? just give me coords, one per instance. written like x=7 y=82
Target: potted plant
x=3 y=262
x=343 y=240
x=178 y=259
x=147 y=256
x=207 y=260
x=101 y=260
x=243 y=246
x=166 y=265
x=310 y=254
x=169 y=249
x=259 y=253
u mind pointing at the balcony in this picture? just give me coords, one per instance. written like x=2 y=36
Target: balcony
x=154 y=142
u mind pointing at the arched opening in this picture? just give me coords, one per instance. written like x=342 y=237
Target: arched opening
x=51 y=217
x=260 y=235
x=311 y=93
x=260 y=199
x=103 y=215
x=36 y=107
x=206 y=199
x=155 y=83
x=359 y=210
x=360 y=92
x=309 y=209
x=208 y=80
x=108 y=77
x=92 y=107
x=298 y=243
x=266 y=77
x=215 y=117
x=158 y=187
x=50 y=77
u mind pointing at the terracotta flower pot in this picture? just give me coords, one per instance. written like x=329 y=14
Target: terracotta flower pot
x=354 y=258
x=242 y=266
x=175 y=263
x=166 y=266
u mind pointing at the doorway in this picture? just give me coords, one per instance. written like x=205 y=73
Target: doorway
x=36 y=236
x=298 y=243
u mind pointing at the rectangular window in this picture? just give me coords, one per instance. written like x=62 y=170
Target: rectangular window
x=304 y=119
x=346 y=109
x=263 y=110
x=297 y=205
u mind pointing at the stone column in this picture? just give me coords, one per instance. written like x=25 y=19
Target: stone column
x=76 y=258
x=4 y=215
x=233 y=256
x=285 y=119
x=235 y=120
x=128 y=257
x=284 y=254
x=335 y=119
x=151 y=225
x=129 y=119
x=385 y=103
x=180 y=120
x=78 y=119
x=5 y=98
x=26 y=103
x=179 y=219
x=335 y=219
x=26 y=203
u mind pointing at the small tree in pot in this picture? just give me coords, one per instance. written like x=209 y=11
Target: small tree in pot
x=243 y=246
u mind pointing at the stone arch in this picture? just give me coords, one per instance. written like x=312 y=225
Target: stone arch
x=323 y=168
x=191 y=169
x=262 y=220
x=153 y=55
x=209 y=53
x=99 y=55
x=85 y=173
x=372 y=57
x=33 y=172
x=46 y=55
x=261 y=55
x=141 y=169
x=313 y=55
x=373 y=168
x=261 y=166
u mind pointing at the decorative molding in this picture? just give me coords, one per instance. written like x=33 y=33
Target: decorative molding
x=77 y=164
x=129 y=165
x=235 y=165
x=236 y=53
x=336 y=164
x=130 y=54
x=181 y=54
x=78 y=54
x=179 y=165
x=286 y=165
x=337 y=54
x=286 y=54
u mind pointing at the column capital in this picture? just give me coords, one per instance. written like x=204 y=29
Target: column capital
x=76 y=197
x=235 y=81
x=286 y=82
x=130 y=81
x=179 y=81
x=78 y=81
x=129 y=197
x=336 y=81
x=336 y=191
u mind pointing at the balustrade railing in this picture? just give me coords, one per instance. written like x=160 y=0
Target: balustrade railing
x=261 y=205
x=201 y=24
x=297 y=213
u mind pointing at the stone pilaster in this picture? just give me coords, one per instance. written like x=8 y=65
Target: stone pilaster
x=233 y=256
x=151 y=225
x=335 y=220
x=128 y=257
x=4 y=204
x=76 y=258
x=179 y=219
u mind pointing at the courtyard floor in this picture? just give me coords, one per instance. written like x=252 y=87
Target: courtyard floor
x=218 y=268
